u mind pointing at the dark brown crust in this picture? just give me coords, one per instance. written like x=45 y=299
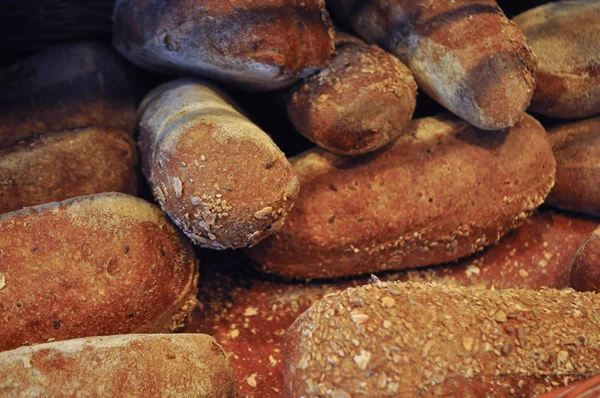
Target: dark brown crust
x=263 y=44
x=442 y=191
x=243 y=309
x=361 y=101
x=220 y=178
x=184 y=365
x=565 y=37
x=70 y=86
x=58 y=166
x=89 y=266
x=464 y=53
x=585 y=274
x=577 y=151
x=412 y=339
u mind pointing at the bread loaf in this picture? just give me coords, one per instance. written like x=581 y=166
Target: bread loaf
x=361 y=101
x=64 y=87
x=585 y=273
x=577 y=151
x=565 y=36
x=464 y=53
x=160 y=365
x=58 y=166
x=410 y=339
x=89 y=266
x=442 y=191
x=220 y=178
x=261 y=45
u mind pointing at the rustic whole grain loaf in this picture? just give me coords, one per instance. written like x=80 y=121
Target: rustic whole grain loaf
x=585 y=273
x=92 y=265
x=220 y=178
x=262 y=45
x=565 y=36
x=361 y=101
x=138 y=365
x=411 y=339
x=576 y=148
x=464 y=53
x=442 y=191
x=64 y=87
x=58 y=166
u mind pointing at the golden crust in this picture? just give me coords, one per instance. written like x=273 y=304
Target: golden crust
x=92 y=265
x=412 y=339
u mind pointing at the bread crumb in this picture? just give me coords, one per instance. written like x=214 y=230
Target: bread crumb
x=272 y=360
x=250 y=311
x=251 y=380
x=2 y=280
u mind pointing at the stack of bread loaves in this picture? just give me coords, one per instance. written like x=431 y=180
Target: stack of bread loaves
x=479 y=292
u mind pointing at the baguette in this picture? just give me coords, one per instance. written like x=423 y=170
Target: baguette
x=442 y=191
x=182 y=365
x=64 y=87
x=585 y=273
x=243 y=309
x=260 y=45
x=576 y=148
x=220 y=178
x=565 y=36
x=360 y=102
x=465 y=54
x=90 y=266
x=58 y=166
x=410 y=339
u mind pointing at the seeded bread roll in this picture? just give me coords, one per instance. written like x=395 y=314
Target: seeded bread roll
x=361 y=101
x=464 y=53
x=261 y=45
x=64 y=87
x=411 y=339
x=159 y=365
x=58 y=166
x=442 y=191
x=220 y=178
x=90 y=266
x=585 y=273
x=565 y=36
x=577 y=151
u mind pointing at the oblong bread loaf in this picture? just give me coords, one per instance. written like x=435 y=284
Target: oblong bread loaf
x=565 y=36
x=57 y=166
x=220 y=178
x=64 y=87
x=411 y=339
x=137 y=365
x=442 y=191
x=585 y=271
x=92 y=265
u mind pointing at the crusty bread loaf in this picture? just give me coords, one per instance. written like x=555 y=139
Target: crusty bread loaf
x=64 y=87
x=262 y=45
x=464 y=53
x=159 y=365
x=242 y=309
x=220 y=178
x=410 y=339
x=585 y=273
x=361 y=101
x=58 y=166
x=90 y=266
x=442 y=191
x=565 y=36
x=576 y=148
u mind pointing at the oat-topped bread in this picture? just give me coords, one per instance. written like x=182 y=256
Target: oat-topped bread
x=565 y=36
x=411 y=339
x=92 y=265
x=254 y=44
x=138 y=365
x=464 y=53
x=65 y=87
x=220 y=178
